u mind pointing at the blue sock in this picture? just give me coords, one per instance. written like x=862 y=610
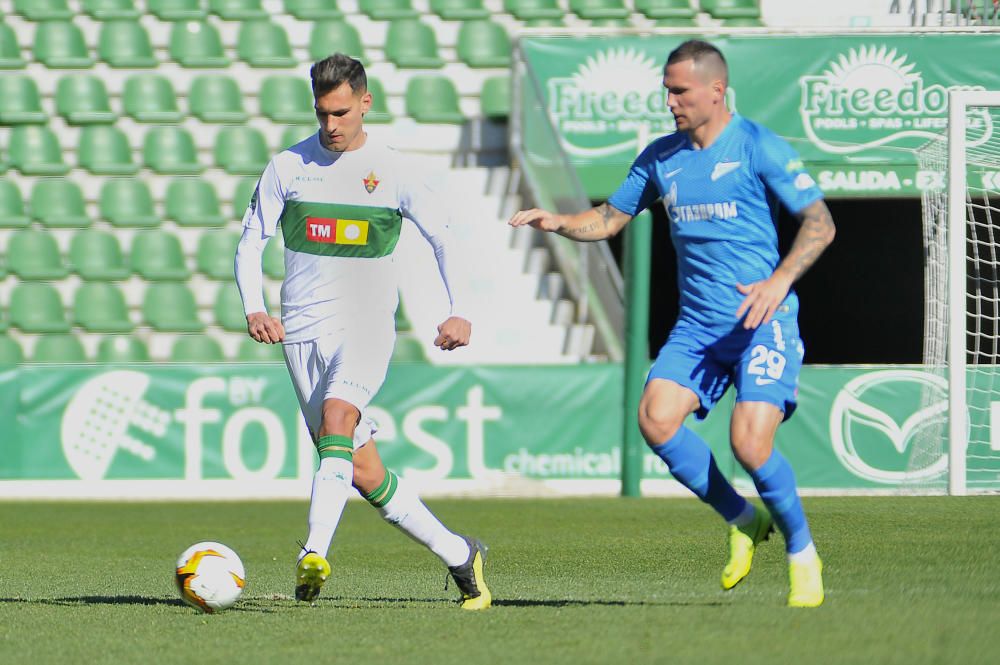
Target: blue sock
x=776 y=485
x=691 y=462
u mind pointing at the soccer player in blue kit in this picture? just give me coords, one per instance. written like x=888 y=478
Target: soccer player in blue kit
x=721 y=178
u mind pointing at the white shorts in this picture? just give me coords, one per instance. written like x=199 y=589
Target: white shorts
x=350 y=366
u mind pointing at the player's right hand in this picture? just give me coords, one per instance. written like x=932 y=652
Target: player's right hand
x=264 y=328
x=543 y=220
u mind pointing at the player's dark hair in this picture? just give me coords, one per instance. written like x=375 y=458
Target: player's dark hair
x=335 y=70
x=703 y=54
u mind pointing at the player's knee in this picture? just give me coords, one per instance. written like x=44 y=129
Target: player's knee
x=751 y=448
x=339 y=417
x=657 y=424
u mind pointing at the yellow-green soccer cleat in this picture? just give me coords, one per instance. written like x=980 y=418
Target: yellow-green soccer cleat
x=310 y=573
x=806 y=581
x=743 y=541
x=469 y=577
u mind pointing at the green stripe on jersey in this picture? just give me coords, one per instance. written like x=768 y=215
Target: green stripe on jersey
x=334 y=229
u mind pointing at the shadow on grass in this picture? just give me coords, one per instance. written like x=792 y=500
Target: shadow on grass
x=70 y=601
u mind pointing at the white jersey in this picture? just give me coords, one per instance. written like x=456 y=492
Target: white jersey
x=340 y=215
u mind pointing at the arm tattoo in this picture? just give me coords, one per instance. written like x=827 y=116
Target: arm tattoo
x=815 y=234
x=583 y=231
x=605 y=211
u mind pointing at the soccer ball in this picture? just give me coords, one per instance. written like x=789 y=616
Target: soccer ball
x=210 y=576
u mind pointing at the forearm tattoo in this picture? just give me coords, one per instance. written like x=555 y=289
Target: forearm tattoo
x=593 y=230
x=815 y=234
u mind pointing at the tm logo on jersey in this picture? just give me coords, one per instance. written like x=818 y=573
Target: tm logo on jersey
x=337 y=231
x=371 y=182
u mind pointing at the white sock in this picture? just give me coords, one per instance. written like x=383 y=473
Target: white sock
x=331 y=487
x=408 y=513
x=807 y=553
x=745 y=517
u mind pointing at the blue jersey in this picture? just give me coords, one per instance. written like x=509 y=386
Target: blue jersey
x=722 y=203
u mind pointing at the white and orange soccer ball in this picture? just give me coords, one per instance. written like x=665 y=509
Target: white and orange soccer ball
x=210 y=576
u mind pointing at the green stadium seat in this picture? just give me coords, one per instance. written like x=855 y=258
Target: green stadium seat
x=121 y=349
x=125 y=43
x=216 y=98
x=264 y=44
x=105 y=150
x=483 y=44
x=11 y=352
x=197 y=44
x=241 y=150
x=287 y=99
x=106 y=10
x=273 y=261
x=43 y=10
x=379 y=111
x=411 y=44
x=229 y=308
x=35 y=307
x=83 y=100
x=196 y=349
x=248 y=351
x=331 y=36
x=177 y=10
x=60 y=45
x=313 y=10
x=216 y=252
x=12 y=206
x=557 y=22
x=526 y=10
x=151 y=98
x=20 y=103
x=297 y=133
x=237 y=10
x=95 y=255
x=127 y=202
x=170 y=150
x=193 y=202
x=170 y=307
x=727 y=9
x=58 y=202
x=66 y=349
x=676 y=23
x=459 y=10
x=33 y=254
x=35 y=150
x=494 y=99
x=743 y=22
x=10 y=49
x=245 y=188
x=666 y=9
x=100 y=307
x=599 y=9
x=408 y=349
x=433 y=99
x=387 y=10
x=157 y=256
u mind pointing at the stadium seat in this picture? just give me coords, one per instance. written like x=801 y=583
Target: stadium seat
x=228 y=308
x=193 y=202
x=245 y=188
x=666 y=9
x=32 y=254
x=216 y=98
x=170 y=150
x=599 y=9
x=216 y=252
x=273 y=261
x=527 y=10
x=483 y=44
x=12 y=354
x=106 y=10
x=248 y=351
x=83 y=100
x=313 y=10
x=105 y=150
x=100 y=307
x=335 y=36
x=241 y=150
x=727 y=9
x=177 y=10
x=387 y=10
x=459 y=10
x=557 y=22
x=151 y=98
x=264 y=44
x=287 y=99
x=157 y=256
x=35 y=307
x=43 y=10
x=67 y=349
x=676 y=23
x=743 y=22
x=196 y=349
x=197 y=44
x=12 y=206
x=170 y=307
x=10 y=49
x=124 y=43
x=121 y=349
x=20 y=103
x=434 y=99
x=58 y=202
x=494 y=100
x=408 y=349
x=237 y=10
x=411 y=44
x=296 y=133
x=379 y=111
x=127 y=202
x=95 y=255
x=60 y=45
x=34 y=150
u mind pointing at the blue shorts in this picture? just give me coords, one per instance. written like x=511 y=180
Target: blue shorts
x=764 y=364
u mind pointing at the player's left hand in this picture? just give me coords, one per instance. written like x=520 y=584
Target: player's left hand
x=453 y=333
x=762 y=300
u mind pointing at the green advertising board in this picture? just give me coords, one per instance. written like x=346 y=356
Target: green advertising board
x=855 y=106
x=234 y=431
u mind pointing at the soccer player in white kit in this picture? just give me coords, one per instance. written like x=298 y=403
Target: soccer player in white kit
x=341 y=198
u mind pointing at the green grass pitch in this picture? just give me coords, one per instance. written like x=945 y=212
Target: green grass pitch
x=910 y=580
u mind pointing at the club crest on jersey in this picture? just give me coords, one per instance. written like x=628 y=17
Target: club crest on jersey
x=371 y=182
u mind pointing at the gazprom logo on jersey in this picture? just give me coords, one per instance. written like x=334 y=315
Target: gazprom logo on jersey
x=887 y=426
x=337 y=231
x=697 y=212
